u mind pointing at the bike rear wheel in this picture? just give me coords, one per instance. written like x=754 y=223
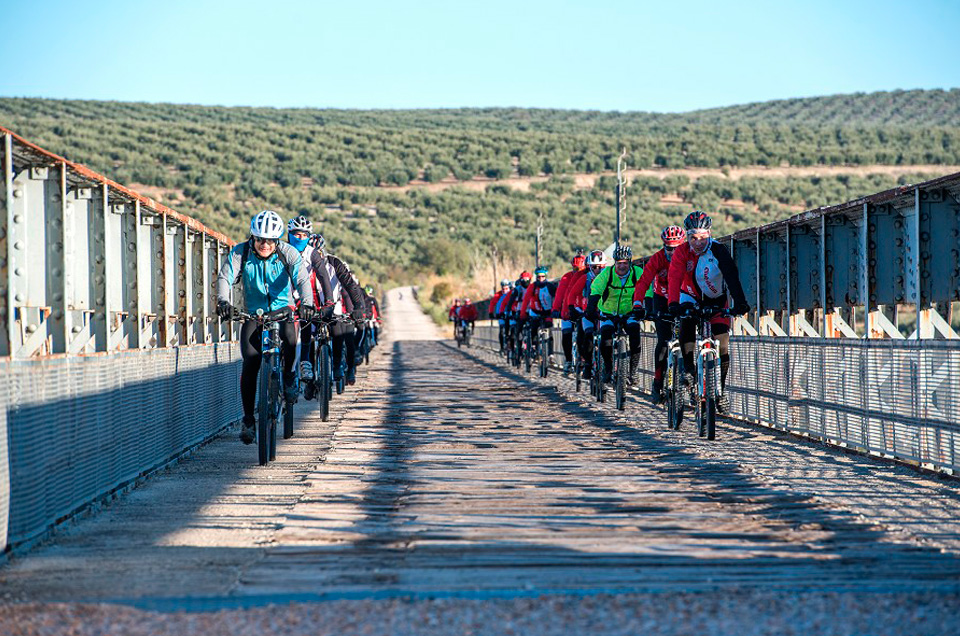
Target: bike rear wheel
x=620 y=373
x=544 y=356
x=325 y=380
x=710 y=400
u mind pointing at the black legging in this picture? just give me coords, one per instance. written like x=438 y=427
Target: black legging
x=306 y=342
x=343 y=337
x=608 y=326
x=251 y=342
x=688 y=337
x=657 y=306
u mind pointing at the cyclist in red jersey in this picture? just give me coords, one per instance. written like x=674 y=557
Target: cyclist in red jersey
x=579 y=264
x=576 y=298
x=655 y=273
x=702 y=272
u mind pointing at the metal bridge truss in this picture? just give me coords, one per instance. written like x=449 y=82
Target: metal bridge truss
x=88 y=266
x=854 y=270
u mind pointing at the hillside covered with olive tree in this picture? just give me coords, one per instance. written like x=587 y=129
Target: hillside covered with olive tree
x=402 y=193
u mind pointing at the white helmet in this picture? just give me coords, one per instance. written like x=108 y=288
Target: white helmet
x=267 y=224
x=300 y=224
x=597 y=257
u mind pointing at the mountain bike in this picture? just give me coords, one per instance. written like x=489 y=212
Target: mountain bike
x=621 y=365
x=271 y=405
x=321 y=387
x=707 y=355
x=673 y=380
x=526 y=348
x=544 y=338
x=462 y=333
x=597 y=387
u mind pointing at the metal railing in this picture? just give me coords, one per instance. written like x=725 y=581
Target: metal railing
x=112 y=359
x=890 y=398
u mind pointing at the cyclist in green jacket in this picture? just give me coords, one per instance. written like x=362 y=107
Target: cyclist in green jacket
x=611 y=302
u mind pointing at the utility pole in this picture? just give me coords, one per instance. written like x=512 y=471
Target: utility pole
x=539 y=236
x=493 y=249
x=621 y=195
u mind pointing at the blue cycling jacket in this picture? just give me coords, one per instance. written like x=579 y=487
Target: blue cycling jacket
x=267 y=283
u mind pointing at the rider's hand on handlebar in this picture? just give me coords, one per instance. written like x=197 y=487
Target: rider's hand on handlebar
x=357 y=315
x=740 y=309
x=555 y=314
x=225 y=310
x=639 y=313
x=307 y=312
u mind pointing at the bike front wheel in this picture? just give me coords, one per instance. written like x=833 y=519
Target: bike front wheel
x=620 y=374
x=268 y=393
x=326 y=382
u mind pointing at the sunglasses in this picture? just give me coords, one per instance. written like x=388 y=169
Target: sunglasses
x=268 y=241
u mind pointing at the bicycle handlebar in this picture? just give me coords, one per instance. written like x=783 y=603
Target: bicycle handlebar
x=264 y=317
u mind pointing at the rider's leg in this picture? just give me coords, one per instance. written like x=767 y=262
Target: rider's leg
x=606 y=344
x=632 y=328
x=250 y=350
x=351 y=354
x=585 y=345
x=306 y=350
x=338 y=337
x=722 y=334
x=688 y=337
x=288 y=344
x=566 y=340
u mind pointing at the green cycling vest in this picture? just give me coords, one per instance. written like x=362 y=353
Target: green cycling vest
x=616 y=297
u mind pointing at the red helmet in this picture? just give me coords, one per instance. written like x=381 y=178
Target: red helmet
x=525 y=275
x=672 y=236
x=579 y=262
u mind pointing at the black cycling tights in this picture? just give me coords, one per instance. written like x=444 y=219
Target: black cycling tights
x=343 y=337
x=251 y=341
x=688 y=337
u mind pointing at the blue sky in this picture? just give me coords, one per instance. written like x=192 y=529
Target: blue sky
x=616 y=55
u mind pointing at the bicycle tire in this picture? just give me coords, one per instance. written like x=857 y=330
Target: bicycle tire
x=287 y=420
x=544 y=357
x=527 y=352
x=577 y=368
x=264 y=409
x=599 y=372
x=326 y=387
x=620 y=376
x=710 y=406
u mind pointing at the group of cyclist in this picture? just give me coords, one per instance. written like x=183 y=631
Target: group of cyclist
x=691 y=271
x=302 y=282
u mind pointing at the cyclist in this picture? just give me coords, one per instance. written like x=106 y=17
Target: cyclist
x=453 y=314
x=515 y=301
x=493 y=310
x=575 y=304
x=269 y=271
x=655 y=274
x=702 y=272
x=579 y=264
x=468 y=313
x=611 y=302
x=537 y=302
x=298 y=235
x=331 y=278
x=376 y=317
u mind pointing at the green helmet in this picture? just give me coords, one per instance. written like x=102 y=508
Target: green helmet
x=368 y=290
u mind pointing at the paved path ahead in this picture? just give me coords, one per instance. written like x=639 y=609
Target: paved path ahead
x=451 y=477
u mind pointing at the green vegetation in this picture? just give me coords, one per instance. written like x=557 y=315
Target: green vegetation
x=223 y=164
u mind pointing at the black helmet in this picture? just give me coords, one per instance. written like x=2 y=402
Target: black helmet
x=697 y=220
x=623 y=253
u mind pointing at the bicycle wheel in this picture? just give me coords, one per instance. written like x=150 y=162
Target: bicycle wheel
x=324 y=377
x=710 y=399
x=527 y=352
x=620 y=374
x=577 y=368
x=266 y=394
x=674 y=398
x=598 y=372
x=544 y=356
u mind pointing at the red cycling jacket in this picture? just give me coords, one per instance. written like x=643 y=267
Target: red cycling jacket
x=453 y=312
x=573 y=296
x=493 y=304
x=656 y=272
x=468 y=312
x=533 y=299
x=562 y=286
x=705 y=277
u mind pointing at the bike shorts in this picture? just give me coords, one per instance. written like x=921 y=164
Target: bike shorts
x=686 y=298
x=607 y=323
x=501 y=321
x=587 y=325
x=566 y=325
